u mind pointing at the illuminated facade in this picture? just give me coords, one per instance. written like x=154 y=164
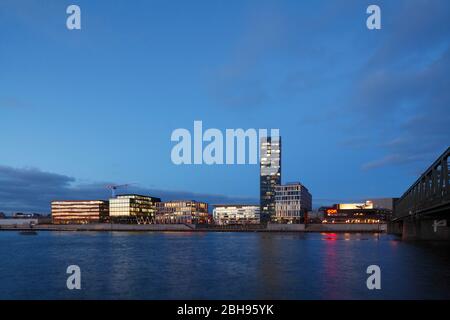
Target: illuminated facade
x=292 y=202
x=270 y=174
x=236 y=214
x=366 y=212
x=183 y=211
x=79 y=211
x=133 y=208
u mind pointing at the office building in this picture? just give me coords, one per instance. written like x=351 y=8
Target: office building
x=182 y=211
x=292 y=202
x=133 y=208
x=79 y=211
x=270 y=174
x=229 y=214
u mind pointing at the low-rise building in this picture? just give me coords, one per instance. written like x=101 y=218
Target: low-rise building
x=133 y=208
x=364 y=212
x=292 y=202
x=228 y=214
x=182 y=211
x=314 y=216
x=21 y=215
x=18 y=223
x=79 y=211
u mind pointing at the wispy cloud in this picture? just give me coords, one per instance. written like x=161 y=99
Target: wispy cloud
x=392 y=159
x=402 y=92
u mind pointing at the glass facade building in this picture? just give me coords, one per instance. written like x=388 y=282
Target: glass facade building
x=270 y=174
x=133 y=208
x=79 y=211
x=292 y=203
x=182 y=211
x=236 y=214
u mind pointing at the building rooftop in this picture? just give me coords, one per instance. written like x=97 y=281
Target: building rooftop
x=236 y=205
x=90 y=200
x=183 y=200
x=135 y=195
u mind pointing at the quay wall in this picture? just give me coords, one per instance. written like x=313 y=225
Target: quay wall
x=10 y=222
x=354 y=227
x=105 y=227
x=285 y=227
x=190 y=227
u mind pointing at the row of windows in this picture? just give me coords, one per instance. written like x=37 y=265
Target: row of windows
x=277 y=197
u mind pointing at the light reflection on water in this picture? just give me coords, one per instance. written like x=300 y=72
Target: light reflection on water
x=176 y=265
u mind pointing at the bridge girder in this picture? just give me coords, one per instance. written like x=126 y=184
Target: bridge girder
x=429 y=194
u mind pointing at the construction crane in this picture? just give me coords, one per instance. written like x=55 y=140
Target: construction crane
x=114 y=187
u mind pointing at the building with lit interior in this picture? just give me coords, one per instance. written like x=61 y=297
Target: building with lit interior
x=133 y=208
x=79 y=211
x=370 y=211
x=232 y=214
x=292 y=202
x=270 y=174
x=182 y=211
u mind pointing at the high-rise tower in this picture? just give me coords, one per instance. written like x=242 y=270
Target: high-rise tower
x=270 y=174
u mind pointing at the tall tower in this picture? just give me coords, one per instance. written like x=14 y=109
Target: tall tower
x=270 y=174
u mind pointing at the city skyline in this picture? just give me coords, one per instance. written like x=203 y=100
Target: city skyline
x=361 y=112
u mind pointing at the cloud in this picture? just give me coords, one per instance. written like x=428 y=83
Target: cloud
x=392 y=159
x=237 y=81
x=32 y=190
x=402 y=92
x=29 y=188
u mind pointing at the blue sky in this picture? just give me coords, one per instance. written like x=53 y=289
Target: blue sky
x=362 y=113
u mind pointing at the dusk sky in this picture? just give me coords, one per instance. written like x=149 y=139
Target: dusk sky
x=361 y=112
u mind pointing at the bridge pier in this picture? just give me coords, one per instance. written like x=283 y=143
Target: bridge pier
x=395 y=227
x=429 y=228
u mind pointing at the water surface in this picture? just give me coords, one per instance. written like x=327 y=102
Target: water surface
x=214 y=265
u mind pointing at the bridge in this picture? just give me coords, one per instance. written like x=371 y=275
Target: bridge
x=423 y=210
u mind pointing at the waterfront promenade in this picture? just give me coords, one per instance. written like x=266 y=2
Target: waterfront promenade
x=200 y=228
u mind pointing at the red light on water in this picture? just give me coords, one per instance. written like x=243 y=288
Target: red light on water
x=331 y=236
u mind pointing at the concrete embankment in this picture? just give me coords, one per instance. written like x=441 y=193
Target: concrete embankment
x=129 y=227
x=354 y=227
x=104 y=227
x=190 y=227
x=285 y=227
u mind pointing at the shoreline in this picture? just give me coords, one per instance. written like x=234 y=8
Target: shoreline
x=297 y=228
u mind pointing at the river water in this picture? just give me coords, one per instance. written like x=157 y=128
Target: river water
x=214 y=265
